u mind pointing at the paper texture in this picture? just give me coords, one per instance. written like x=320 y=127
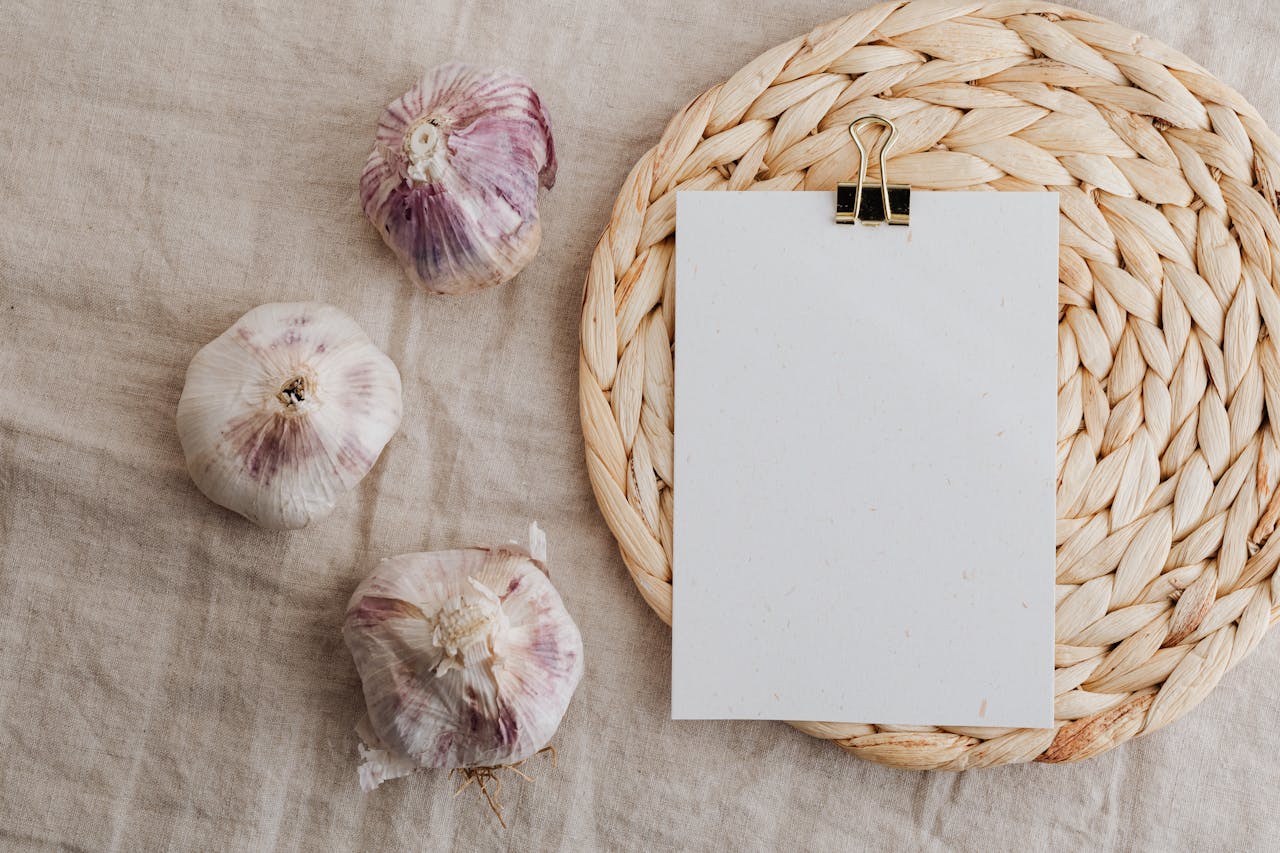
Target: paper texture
x=172 y=678
x=865 y=451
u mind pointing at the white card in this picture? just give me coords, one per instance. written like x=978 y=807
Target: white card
x=865 y=453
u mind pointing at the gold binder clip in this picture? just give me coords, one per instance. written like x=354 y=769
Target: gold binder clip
x=892 y=204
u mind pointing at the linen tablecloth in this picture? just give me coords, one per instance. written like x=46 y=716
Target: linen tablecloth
x=173 y=677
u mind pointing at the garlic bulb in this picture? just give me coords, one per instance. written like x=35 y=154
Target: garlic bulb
x=285 y=411
x=467 y=658
x=452 y=182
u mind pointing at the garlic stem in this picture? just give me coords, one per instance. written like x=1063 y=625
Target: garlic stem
x=296 y=393
x=425 y=148
x=465 y=621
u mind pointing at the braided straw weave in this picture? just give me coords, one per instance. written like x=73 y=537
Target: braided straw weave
x=1168 y=445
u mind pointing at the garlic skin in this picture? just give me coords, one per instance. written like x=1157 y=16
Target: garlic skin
x=467 y=658
x=452 y=181
x=286 y=411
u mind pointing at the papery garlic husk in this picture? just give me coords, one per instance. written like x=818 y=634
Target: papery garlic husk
x=452 y=181
x=467 y=659
x=286 y=411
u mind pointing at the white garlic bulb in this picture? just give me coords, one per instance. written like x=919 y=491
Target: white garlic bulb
x=452 y=181
x=285 y=411
x=467 y=659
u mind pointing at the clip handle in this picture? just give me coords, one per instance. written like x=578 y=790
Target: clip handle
x=899 y=216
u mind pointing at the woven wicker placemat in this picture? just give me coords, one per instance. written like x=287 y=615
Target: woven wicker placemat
x=1168 y=458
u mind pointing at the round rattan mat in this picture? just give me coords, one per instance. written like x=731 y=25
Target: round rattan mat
x=1168 y=457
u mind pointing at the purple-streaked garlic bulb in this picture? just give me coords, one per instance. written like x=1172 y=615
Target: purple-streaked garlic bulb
x=467 y=659
x=452 y=181
x=286 y=411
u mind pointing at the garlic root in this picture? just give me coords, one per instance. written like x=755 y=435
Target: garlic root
x=482 y=776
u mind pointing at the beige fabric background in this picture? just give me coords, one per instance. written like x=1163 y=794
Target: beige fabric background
x=173 y=677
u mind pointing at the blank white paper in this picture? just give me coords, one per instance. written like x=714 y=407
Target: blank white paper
x=864 y=453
